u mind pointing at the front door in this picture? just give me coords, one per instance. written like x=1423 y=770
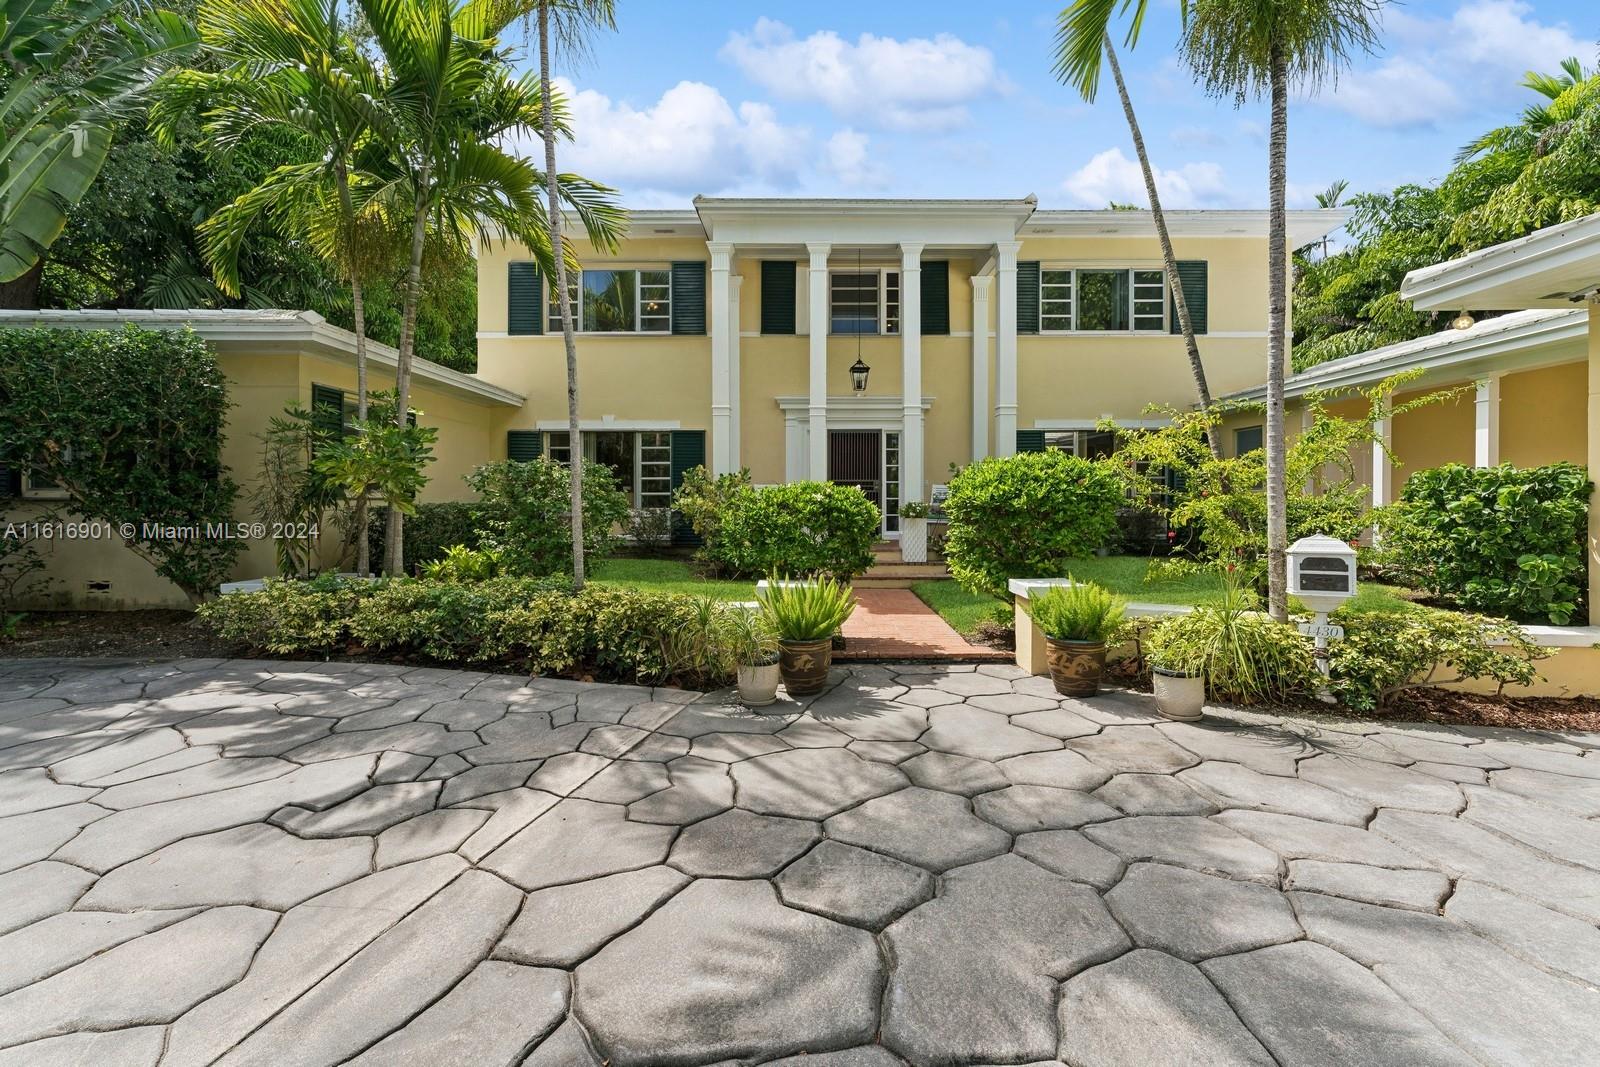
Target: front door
x=855 y=457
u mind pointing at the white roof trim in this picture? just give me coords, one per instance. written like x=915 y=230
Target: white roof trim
x=271 y=329
x=1521 y=340
x=1547 y=268
x=1303 y=226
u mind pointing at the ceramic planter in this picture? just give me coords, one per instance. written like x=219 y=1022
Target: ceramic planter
x=1075 y=666
x=913 y=540
x=758 y=684
x=804 y=665
x=1180 y=697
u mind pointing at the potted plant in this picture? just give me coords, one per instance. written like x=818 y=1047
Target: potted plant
x=1177 y=669
x=754 y=648
x=805 y=616
x=1077 y=620
x=914 y=532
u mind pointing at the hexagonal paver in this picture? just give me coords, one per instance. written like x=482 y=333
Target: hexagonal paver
x=853 y=885
x=740 y=844
x=1382 y=785
x=1153 y=794
x=1071 y=855
x=1020 y=809
x=1235 y=786
x=699 y=788
x=954 y=774
x=933 y=830
x=1188 y=841
x=1196 y=916
x=578 y=839
x=469 y=1024
x=1417 y=890
x=561 y=925
x=1136 y=749
x=980 y=734
x=811 y=783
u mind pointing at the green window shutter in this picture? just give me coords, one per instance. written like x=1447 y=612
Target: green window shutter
x=688 y=452
x=1192 y=276
x=327 y=409
x=936 y=296
x=1028 y=297
x=524 y=445
x=1030 y=440
x=689 y=297
x=777 y=295
x=524 y=301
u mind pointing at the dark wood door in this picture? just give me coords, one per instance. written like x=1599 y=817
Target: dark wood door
x=855 y=457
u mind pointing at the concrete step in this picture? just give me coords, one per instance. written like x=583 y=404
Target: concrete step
x=867 y=581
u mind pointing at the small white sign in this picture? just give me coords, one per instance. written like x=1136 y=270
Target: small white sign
x=1321 y=629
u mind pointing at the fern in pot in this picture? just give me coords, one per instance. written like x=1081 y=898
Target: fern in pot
x=1077 y=621
x=1177 y=651
x=806 y=615
x=753 y=644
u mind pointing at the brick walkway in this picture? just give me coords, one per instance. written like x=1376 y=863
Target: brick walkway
x=892 y=624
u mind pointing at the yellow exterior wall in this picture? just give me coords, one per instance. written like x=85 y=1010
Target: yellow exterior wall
x=1592 y=452
x=1542 y=415
x=1432 y=435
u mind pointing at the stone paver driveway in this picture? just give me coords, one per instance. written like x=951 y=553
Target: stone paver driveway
x=305 y=864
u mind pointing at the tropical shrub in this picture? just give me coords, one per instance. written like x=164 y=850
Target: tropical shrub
x=1082 y=611
x=525 y=519
x=701 y=500
x=430 y=532
x=806 y=611
x=290 y=617
x=1027 y=516
x=1244 y=655
x=802 y=528
x=128 y=423
x=1384 y=654
x=462 y=564
x=1502 y=540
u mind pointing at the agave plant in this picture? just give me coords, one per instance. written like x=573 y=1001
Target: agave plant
x=809 y=611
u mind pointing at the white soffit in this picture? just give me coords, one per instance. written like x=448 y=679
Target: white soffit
x=1550 y=268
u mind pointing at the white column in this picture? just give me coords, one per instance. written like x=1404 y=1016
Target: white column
x=1005 y=376
x=980 y=365
x=817 y=431
x=1382 y=466
x=721 y=350
x=911 y=456
x=1486 y=424
x=735 y=283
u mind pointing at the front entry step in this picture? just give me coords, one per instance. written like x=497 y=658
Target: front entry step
x=897 y=575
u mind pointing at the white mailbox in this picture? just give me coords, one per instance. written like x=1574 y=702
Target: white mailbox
x=1322 y=572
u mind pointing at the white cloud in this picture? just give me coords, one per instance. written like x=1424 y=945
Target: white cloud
x=1442 y=67
x=1113 y=176
x=917 y=83
x=850 y=160
x=1198 y=137
x=691 y=140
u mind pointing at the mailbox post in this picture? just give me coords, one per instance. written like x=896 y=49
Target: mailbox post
x=1322 y=573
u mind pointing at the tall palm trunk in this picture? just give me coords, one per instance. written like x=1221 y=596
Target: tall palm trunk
x=1169 y=261
x=563 y=300
x=393 y=546
x=358 y=307
x=1277 y=339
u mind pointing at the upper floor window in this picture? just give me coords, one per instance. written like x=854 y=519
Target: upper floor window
x=1102 y=300
x=866 y=301
x=616 y=301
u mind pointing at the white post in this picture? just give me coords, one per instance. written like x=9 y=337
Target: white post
x=1382 y=471
x=735 y=283
x=1005 y=377
x=817 y=430
x=980 y=365
x=911 y=370
x=1486 y=424
x=721 y=376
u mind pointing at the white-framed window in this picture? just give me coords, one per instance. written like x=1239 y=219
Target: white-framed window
x=641 y=461
x=891 y=481
x=864 y=301
x=623 y=300
x=1086 y=444
x=1102 y=300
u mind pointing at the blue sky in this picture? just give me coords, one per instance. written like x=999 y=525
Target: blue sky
x=882 y=98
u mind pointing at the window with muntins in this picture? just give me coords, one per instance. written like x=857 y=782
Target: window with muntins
x=616 y=301
x=1102 y=300
x=865 y=301
x=641 y=461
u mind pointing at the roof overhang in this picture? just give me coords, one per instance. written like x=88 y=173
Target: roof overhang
x=1523 y=340
x=1303 y=226
x=795 y=221
x=267 y=332
x=1555 y=267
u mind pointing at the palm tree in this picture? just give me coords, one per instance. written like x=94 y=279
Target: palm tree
x=454 y=99
x=1081 y=37
x=1539 y=121
x=294 y=74
x=1333 y=194
x=573 y=21
x=1242 y=49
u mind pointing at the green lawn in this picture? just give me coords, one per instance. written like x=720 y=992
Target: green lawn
x=667 y=576
x=1125 y=575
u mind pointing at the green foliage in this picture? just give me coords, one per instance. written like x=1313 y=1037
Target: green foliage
x=1082 y=611
x=462 y=564
x=702 y=500
x=749 y=637
x=812 y=610
x=1502 y=540
x=291 y=494
x=430 y=531
x=524 y=516
x=802 y=528
x=1384 y=654
x=650 y=531
x=1027 y=516
x=378 y=458
x=129 y=424
x=534 y=625
x=1243 y=654
x=914 y=509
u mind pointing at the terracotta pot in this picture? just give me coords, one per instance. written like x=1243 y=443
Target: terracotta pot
x=1076 y=666
x=804 y=665
x=1180 y=697
x=758 y=684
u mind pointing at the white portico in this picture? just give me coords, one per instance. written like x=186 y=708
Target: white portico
x=869 y=239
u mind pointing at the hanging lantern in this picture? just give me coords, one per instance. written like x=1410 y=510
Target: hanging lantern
x=858 y=374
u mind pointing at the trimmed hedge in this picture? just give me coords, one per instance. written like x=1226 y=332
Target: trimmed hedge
x=534 y=625
x=1501 y=540
x=802 y=528
x=525 y=517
